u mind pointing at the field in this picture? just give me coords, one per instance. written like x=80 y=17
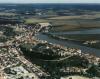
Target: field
x=67 y=25
x=34 y=20
x=95 y=16
x=7 y=14
x=68 y=22
x=75 y=22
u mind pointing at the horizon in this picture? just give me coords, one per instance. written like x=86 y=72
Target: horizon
x=49 y=1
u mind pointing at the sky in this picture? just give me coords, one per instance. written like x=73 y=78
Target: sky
x=49 y=1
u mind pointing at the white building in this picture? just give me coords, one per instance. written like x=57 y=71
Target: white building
x=44 y=24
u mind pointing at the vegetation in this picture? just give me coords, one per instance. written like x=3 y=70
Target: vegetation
x=78 y=61
x=7 y=14
x=34 y=20
x=94 y=71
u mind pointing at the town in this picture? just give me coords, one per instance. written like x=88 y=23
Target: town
x=14 y=64
x=24 y=56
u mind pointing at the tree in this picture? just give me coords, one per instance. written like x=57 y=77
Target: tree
x=94 y=71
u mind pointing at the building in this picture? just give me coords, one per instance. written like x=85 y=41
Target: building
x=44 y=24
x=2 y=76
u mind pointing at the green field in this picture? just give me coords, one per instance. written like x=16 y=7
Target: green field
x=7 y=14
x=34 y=20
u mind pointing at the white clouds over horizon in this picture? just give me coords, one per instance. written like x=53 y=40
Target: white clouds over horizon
x=49 y=1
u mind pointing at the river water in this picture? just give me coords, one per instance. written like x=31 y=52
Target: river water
x=68 y=44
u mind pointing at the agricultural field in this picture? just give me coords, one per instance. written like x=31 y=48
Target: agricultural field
x=66 y=25
x=7 y=14
x=34 y=20
x=95 y=16
x=74 y=25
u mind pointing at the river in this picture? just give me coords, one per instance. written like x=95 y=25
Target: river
x=68 y=44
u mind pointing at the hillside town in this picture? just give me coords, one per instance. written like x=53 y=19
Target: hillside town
x=15 y=65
